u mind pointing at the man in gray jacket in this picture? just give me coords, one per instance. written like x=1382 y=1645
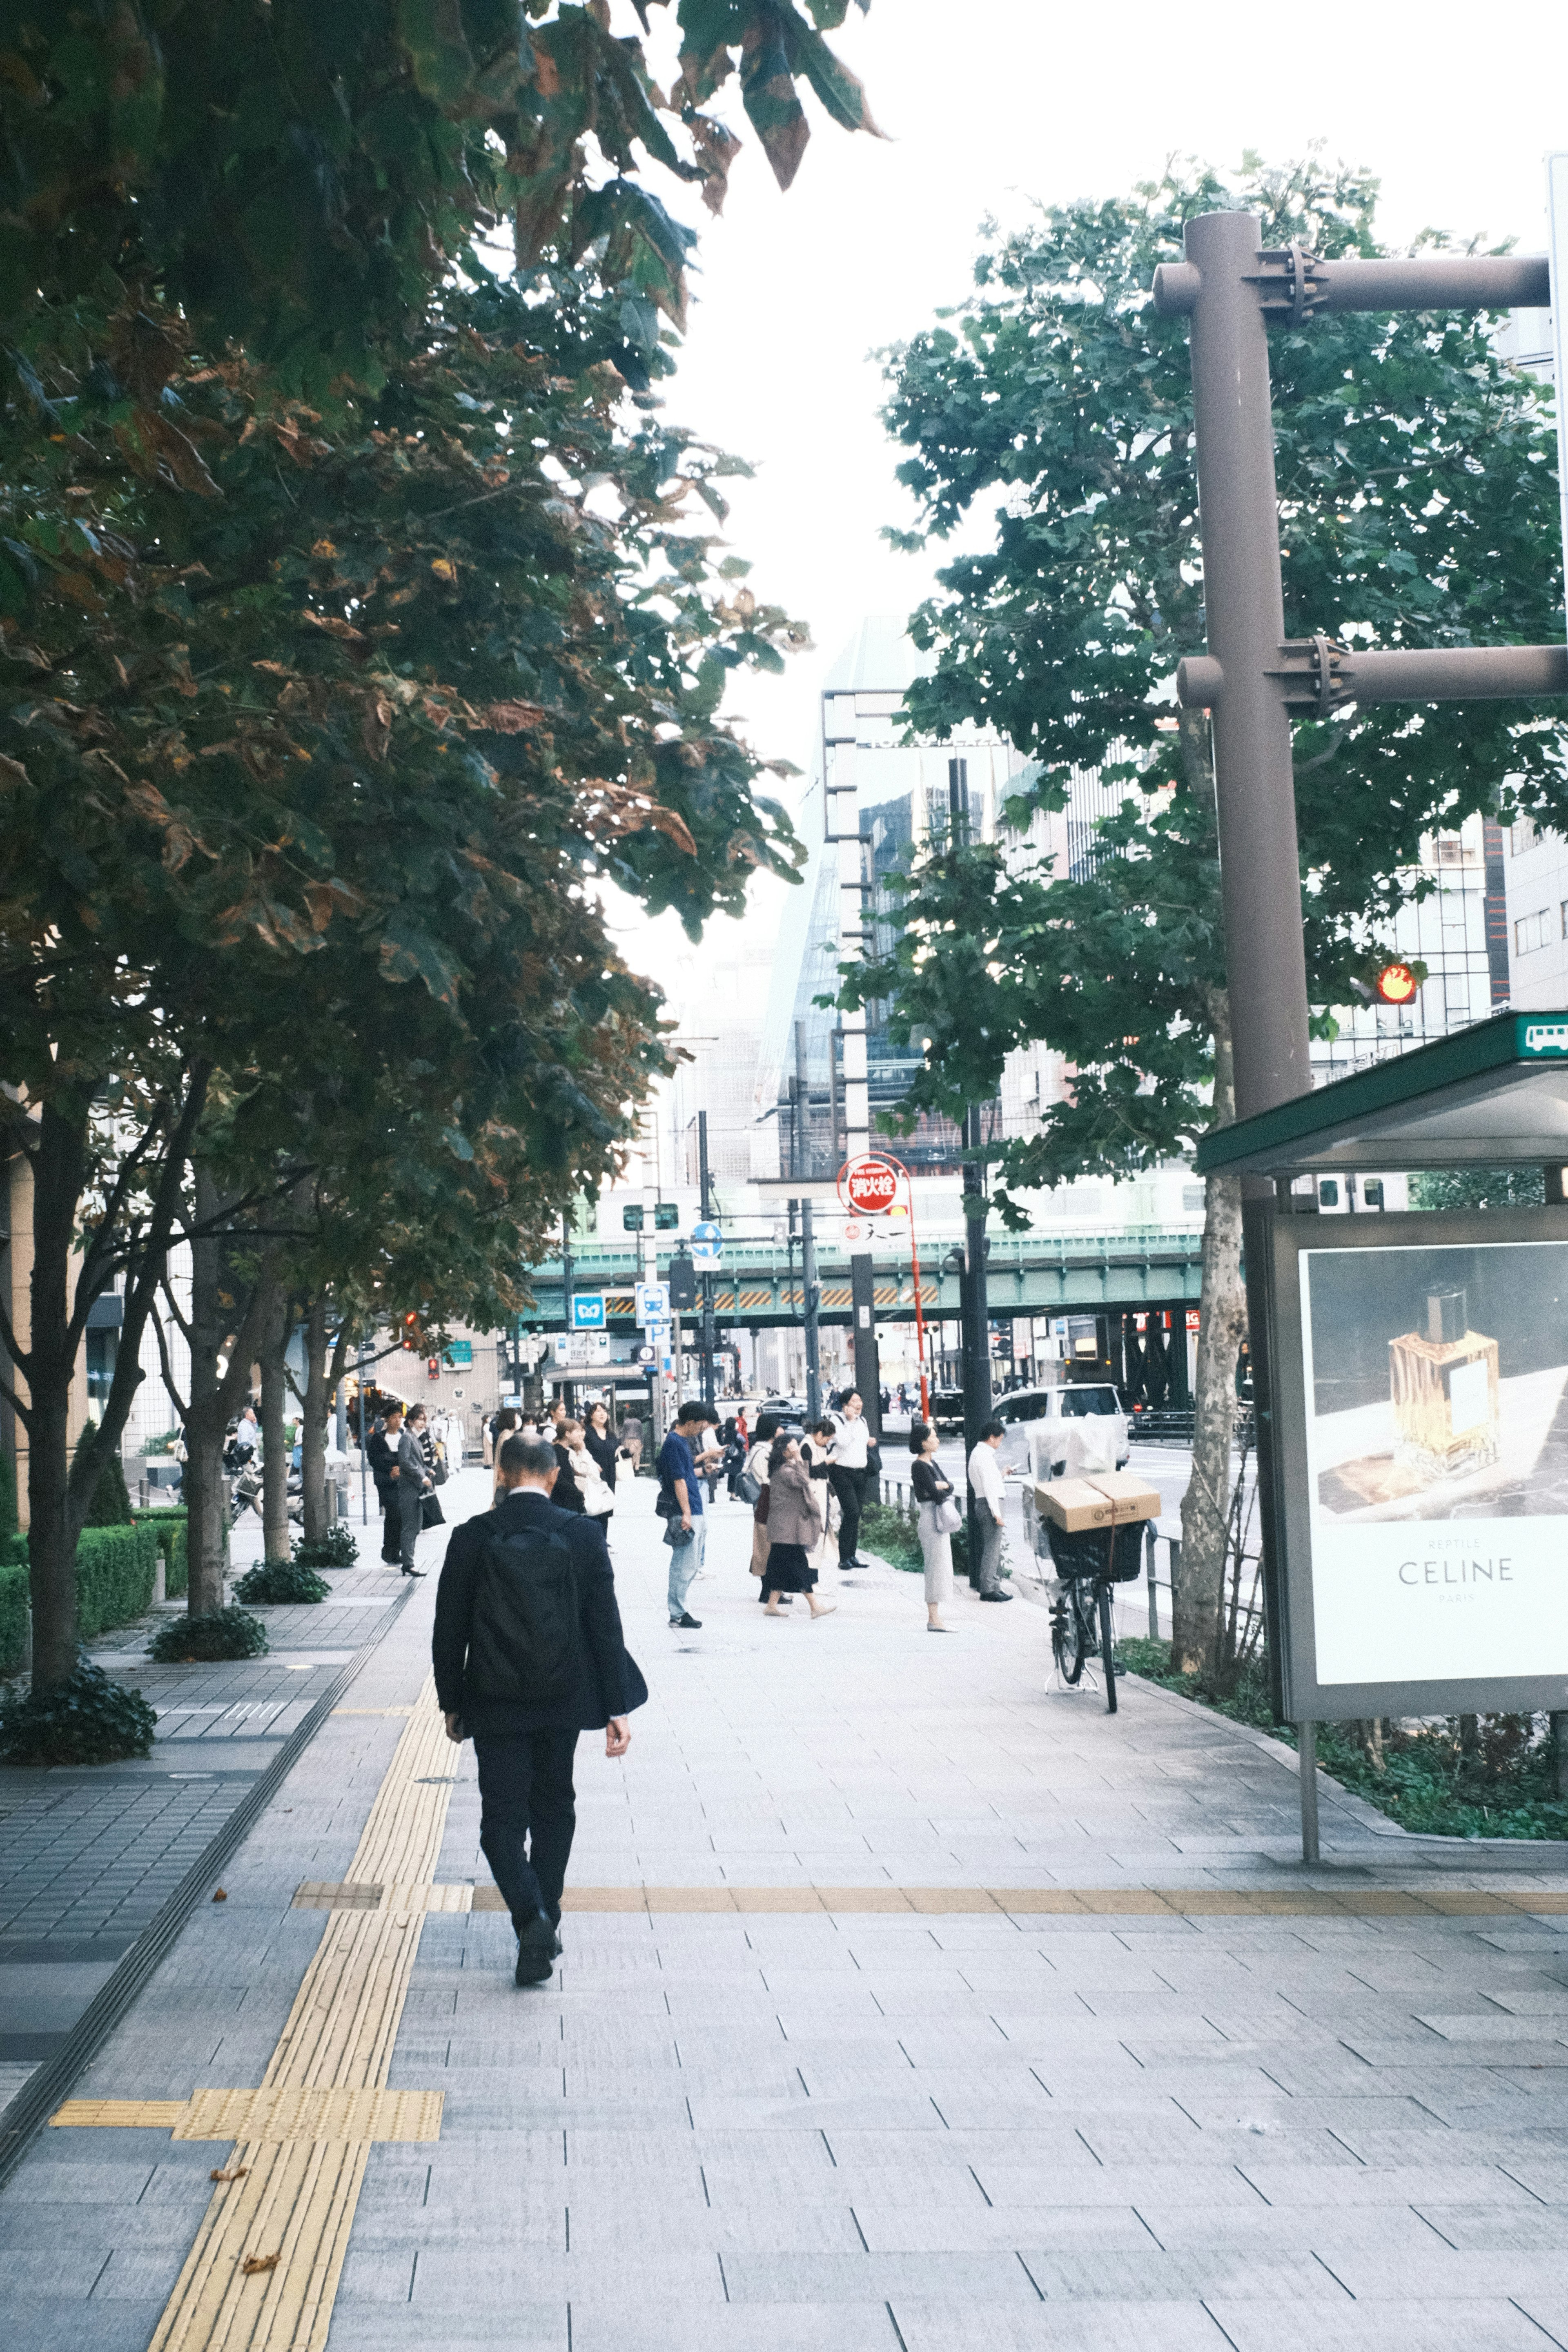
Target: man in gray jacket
x=414 y=1483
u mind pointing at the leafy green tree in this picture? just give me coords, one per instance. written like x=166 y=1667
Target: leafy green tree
x=1418 y=506
x=327 y=692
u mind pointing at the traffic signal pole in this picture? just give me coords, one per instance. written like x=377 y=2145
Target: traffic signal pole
x=707 y=1279
x=1253 y=677
x=811 y=1301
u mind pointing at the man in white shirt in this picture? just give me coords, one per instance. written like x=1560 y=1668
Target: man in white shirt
x=847 y=1474
x=986 y=1480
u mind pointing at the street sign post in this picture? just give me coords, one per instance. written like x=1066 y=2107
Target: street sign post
x=708 y=1247
x=589 y=1311
x=1557 y=255
x=868 y=1186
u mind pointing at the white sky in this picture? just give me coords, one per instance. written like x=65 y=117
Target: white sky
x=987 y=104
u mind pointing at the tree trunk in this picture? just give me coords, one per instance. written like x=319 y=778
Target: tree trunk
x=313 y=1437
x=206 y=1414
x=59 y=1175
x=271 y=1356
x=1559 y=1722
x=1199 y=1602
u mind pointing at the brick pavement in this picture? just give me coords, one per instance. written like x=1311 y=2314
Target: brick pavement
x=925 y=2128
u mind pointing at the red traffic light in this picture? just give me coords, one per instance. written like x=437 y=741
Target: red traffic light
x=1397 y=984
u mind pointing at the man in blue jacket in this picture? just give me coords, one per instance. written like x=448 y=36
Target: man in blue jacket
x=528 y=1651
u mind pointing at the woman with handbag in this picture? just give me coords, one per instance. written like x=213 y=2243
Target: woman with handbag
x=795 y=1528
x=940 y=1517
x=598 y=1495
x=599 y=1440
x=816 y=1453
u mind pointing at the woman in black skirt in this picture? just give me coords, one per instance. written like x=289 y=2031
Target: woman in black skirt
x=795 y=1527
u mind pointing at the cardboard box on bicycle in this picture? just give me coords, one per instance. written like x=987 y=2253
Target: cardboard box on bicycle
x=1112 y=1499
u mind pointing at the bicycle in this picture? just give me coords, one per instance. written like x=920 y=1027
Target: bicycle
x=1087 y=1566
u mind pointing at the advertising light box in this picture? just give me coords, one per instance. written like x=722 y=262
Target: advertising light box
x=1422 y=1462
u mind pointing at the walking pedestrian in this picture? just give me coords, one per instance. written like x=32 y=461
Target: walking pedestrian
x=851 y=1450
x=528 y=1651
x=757 y=1467
x=938 y=1518
x=414 y=1483
x=679 y=1505
x=816 y=1453
x=631 y=1440
x=795 y=1528
x=985 y=1479
x=503 y=1424
x=599 y=1439
x=567 y=1495
x=380 y=1453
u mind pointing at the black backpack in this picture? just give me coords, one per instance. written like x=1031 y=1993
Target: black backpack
x=525 y=1643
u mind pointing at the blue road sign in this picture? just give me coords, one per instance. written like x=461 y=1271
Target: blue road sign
x=707 y=1246
x=588 y=1310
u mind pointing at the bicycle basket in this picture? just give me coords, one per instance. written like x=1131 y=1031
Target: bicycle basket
x=1115 y=1553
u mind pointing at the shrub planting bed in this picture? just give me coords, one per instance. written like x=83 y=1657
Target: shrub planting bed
x=1487 y=1775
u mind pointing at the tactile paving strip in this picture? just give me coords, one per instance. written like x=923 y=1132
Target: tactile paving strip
x=275 y=2116
x=297 y=2196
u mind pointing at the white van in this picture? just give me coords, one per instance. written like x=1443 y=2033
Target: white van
x=1036 y=1421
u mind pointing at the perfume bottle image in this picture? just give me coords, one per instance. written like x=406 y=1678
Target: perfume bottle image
x=1444 y=1384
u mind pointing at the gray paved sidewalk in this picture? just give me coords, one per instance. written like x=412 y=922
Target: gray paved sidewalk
x=769 y=2133
x=88 y=1856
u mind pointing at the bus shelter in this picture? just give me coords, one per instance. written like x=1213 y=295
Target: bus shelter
x=1413 y=1439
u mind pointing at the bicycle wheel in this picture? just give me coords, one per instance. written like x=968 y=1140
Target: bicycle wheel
x=1080 y=1638
x=1108 y=1646
x=1060 y=1610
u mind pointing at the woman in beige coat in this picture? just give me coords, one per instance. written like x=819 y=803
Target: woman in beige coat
x=795 y=1528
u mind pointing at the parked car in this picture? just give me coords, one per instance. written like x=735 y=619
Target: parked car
x=1036 y=1421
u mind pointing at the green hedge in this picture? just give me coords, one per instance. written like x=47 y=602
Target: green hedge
x=171 y=1530
x=13 y=1615
x=116 y=1569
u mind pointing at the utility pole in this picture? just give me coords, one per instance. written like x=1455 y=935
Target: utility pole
x=1252 y=677
x=568 y=1388
x=707 y=1279
x=974 y=1319
x=649 y=1239
x=811 y=1302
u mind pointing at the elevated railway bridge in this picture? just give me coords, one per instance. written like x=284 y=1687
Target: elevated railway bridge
x=1138 y=1283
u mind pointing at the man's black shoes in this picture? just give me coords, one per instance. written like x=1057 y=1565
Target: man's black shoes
x=996 y=1596
x=685 y=1622
x=536 y=1949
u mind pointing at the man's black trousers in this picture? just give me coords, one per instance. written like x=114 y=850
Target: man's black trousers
x=849 y=1486
x=391 y=1524
x=528 y=1814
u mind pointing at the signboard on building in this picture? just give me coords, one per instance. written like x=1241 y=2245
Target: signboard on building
x=588 y=1310
x=460 y=1355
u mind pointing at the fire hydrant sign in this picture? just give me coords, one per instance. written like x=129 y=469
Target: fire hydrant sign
x=868 y=1186
x=1435 y=1394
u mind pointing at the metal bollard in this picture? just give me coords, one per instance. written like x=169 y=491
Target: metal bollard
x=1149 y=1543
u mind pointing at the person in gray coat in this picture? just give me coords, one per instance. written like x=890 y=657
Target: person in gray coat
x=414 y=1483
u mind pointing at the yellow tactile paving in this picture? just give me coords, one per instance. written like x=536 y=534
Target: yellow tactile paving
x=122 y=2115
x=296 y=2197
x=1015 y=1902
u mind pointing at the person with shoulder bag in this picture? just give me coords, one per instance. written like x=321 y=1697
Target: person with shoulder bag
x=415 y=1489
x=794 y=1526
x=941 y=1516
x=598 y=1501
x=528 y=1651
x=752 y=1486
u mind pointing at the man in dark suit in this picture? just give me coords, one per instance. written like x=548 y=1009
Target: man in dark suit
x=381 y=1452
x=525 y=1751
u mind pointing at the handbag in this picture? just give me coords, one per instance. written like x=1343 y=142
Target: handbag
x=430 y=1512
x=946 y=1518
x=439 y=1471
x=749 y=1488
x=873 y=1460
